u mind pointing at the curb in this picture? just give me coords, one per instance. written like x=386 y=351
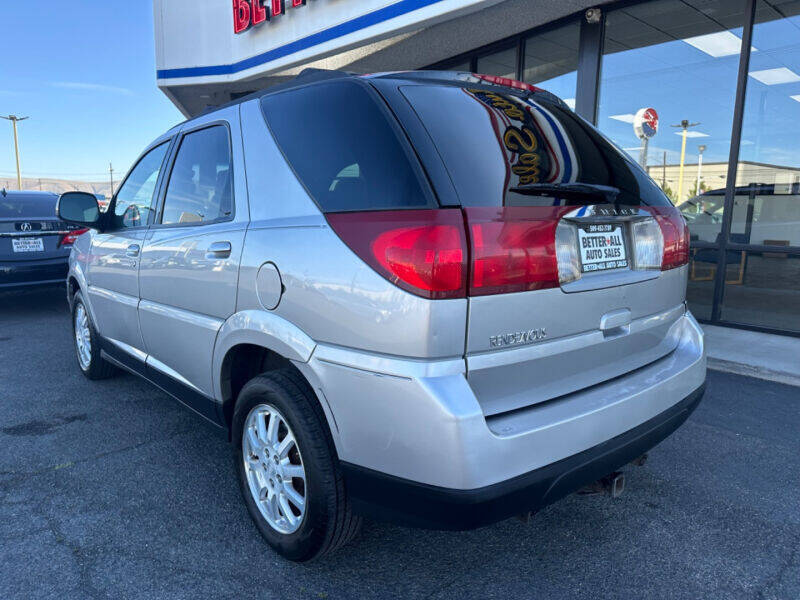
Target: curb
x=728 y=366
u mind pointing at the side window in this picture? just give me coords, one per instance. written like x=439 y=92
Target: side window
x=345 y=148
x=200 y=188
x=134 y=199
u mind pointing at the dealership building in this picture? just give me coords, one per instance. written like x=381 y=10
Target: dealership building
x=721 y=80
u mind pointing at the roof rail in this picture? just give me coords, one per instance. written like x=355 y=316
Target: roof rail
x=309 y=75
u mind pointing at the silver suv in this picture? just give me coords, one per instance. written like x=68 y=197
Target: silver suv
x=437 y=298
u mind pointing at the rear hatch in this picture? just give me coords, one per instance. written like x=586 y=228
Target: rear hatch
x=29 y=228
x=568 y=257
x=576 y=257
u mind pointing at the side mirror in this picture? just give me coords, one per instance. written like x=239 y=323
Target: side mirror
x=79 y=208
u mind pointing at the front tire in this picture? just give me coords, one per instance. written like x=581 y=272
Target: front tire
x=87 y=343
x=288 y=470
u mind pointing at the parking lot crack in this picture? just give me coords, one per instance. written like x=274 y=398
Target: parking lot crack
x=100 y=455
x=83 y=560
x=783 y=569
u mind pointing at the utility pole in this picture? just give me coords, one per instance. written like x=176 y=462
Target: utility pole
x=14 y=119
x=664 y=171
x=111 y=177
x=684 y=125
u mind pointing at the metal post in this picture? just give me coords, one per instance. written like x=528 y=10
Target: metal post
x=701 y=148
x=733 y=156
x=643 y=153
x=16 y=153
x=684 y=125
x=683 y=157
x=590 y=55
x=111 y=177
x=14 y=119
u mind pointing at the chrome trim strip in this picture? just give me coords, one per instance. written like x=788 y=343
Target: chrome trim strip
x=19 y=234
x=378 y=364
x=601 y=213
x=114 y=296
x=159 y=366
x=186 y=316
x=135 y=352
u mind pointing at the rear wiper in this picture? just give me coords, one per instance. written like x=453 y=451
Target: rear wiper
x=568 y=189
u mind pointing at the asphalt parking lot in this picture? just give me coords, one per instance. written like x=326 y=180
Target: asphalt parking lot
x=113 y=490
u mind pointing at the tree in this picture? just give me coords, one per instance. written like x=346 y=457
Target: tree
x=670 y=193
x=693 y=191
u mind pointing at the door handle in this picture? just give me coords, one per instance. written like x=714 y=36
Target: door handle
x=133 y=250
x=219 y=250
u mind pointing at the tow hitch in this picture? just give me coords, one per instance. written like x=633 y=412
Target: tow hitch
x=612 y=484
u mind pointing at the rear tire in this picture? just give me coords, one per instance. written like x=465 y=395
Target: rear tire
x=87 y=343
x=326 y=522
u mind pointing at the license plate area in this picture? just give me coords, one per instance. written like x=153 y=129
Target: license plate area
x=27 y=244
x=602 y=247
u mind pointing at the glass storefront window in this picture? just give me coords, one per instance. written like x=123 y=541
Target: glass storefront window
x=502 y=63
x=767 y=203
x=762 y=289
x=681 y=60
x=700 y=286
x=551 y=61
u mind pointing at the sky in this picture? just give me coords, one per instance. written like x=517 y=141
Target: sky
x=84 y=72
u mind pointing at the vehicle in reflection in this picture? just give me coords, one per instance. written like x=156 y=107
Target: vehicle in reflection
x=763 y=214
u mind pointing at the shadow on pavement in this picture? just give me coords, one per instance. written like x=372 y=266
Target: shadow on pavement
x=27 y=302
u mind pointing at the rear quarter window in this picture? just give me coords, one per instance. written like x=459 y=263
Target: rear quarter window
x=346 y=148
x=493 y=142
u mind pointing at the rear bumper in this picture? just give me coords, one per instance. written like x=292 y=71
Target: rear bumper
x=15 y=274
x=399 y=500
x=416 y=430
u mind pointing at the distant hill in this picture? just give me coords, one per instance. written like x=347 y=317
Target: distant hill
x=58 y=186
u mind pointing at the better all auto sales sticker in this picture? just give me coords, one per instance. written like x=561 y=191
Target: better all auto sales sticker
x=602 y=247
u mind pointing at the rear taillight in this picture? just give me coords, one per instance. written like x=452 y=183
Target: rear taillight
x=447 y=253
x=676 y=236
x=513 y=249
x=69 y=238
x=422 y=251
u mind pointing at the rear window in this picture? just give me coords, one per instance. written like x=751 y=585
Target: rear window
x=504 y=150
x=346 y=149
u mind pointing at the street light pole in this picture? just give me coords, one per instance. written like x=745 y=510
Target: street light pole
x=14 y=119
x=700 y=149
x=685 y=126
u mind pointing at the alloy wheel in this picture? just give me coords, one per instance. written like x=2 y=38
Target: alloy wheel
x=274 y=468
x=83 y=338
